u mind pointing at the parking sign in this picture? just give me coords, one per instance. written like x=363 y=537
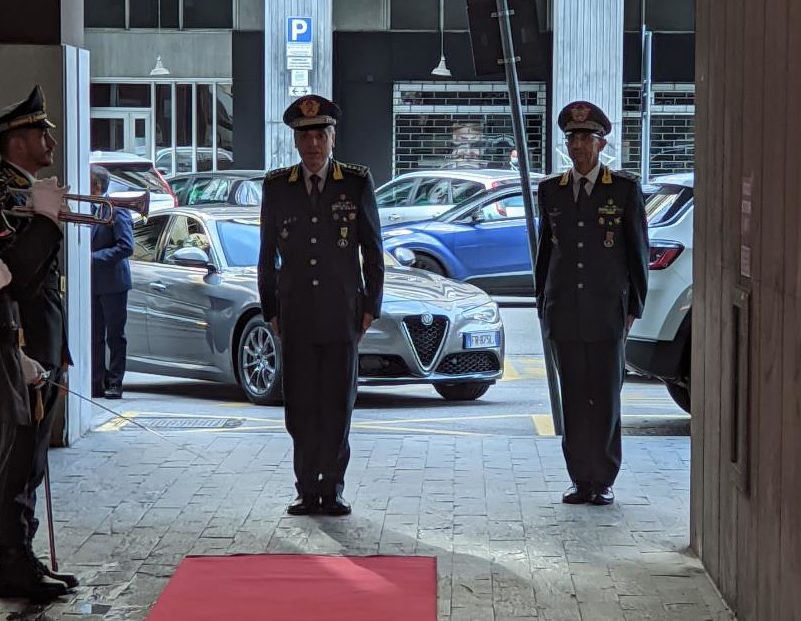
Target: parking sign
x=299 y=30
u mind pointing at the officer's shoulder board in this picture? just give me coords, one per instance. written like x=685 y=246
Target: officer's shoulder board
x=343 y=168
x=280 y=172
x=12 y=178
x=556 y=177
x=624 y=174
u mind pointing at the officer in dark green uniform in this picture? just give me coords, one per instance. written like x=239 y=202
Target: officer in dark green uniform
x=317 y=217
x=591 y=280
x=27 y=251
x=26 y=147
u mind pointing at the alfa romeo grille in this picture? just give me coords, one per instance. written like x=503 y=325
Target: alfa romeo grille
x=426 y=339
x=469 y=362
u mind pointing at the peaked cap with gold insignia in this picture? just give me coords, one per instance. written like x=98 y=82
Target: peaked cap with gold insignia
x=312 y=112
x=583 y=116
x=30 y=112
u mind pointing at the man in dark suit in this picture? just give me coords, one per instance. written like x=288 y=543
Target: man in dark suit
x=319 y=297
x=26 y=147
x=28 y=252
x=112 y=244
x=591 y=280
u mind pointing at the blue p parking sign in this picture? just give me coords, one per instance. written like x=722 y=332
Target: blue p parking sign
x=299 y=29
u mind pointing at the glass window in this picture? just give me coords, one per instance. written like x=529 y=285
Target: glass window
x=107 y=134
x=461 y=189
x=185 y=232
x=432 y=192
x=119 y=95
x=146 y=235
x=183 y=117
x=225 y=126
x=134 y=177
x=178 y=187
x=213 y=191
x=248 y=193
x=506 y=208
x=168 y=16
x=104 y=14
x=143 y=13
x=240 y=240
x=208 y=14
x=204 y=126
x=163 y=138
x=664 y=204
x=396 y=193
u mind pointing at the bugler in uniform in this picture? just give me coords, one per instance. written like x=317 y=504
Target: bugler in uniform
x=317 y=216
x=28 y=247
x=591 y=280
x=26 y=146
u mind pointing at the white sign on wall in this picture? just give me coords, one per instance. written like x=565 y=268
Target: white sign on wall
x=299 y=91
x=299 y=62
x=299 y=77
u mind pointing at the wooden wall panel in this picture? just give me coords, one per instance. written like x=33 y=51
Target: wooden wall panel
x=748 y=72
x=790 y=568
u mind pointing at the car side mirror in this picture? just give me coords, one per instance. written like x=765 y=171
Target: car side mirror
x=404 y=256
x=192 y=257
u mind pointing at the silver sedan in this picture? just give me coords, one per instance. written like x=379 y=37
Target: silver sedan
x=194 y=312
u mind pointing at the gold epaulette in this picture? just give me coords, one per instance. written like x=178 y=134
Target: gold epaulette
x=279 y=172
x=354 y=169
x=624 y=174
x=564 y=178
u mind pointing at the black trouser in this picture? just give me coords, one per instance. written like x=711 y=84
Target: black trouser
x=319 y=394
x=591 y=378
x=109 y=315
x=26 y=497
x=14 y=528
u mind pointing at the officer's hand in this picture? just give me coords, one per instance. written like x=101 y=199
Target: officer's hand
x=47 y=198
x=274 y=326
x=5 y=274
x=367 y=319
x=32 y=372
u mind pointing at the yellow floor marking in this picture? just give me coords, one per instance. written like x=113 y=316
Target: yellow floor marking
x=543 y=424
x=509 y=372
x=445 y=432
x=440 y=419
x=118 y=422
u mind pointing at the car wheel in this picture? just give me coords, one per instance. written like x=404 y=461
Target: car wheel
x=259 y=355
x=680 y=394
x=428 y=263
x=466 y=391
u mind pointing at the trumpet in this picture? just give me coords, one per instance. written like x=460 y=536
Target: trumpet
x=104 y=215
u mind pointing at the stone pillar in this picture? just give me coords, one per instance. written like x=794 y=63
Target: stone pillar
x=588 y=64
x=279 y=148
x=40 y=44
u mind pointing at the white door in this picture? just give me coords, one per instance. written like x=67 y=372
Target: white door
x=117 y=129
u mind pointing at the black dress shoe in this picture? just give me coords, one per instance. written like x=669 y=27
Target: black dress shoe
x=20 y=577
x=602 y=495
x=577 y=494
x=70 y=580
x=335 y=505
x=304 y=505
x=114 y=391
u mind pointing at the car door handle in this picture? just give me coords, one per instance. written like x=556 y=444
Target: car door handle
x=394 y=216
x=158 y=286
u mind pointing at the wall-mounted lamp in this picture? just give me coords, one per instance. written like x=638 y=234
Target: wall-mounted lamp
x=159 y=68
x=441 y=70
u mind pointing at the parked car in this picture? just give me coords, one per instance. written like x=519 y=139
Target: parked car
x=483 y=241
x=659 y=342
x=194 y=312
x=235 y=187
x=131 y=174
x=183 y=159
x=425 y=194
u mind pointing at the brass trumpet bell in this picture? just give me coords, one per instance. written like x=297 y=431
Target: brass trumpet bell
x=104 y=214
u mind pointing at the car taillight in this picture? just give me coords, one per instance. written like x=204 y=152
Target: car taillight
x=663 y=253
x=167 y=187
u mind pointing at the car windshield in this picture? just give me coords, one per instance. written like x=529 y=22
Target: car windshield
x=133 y=176
x=664 y=204
x=240 y=240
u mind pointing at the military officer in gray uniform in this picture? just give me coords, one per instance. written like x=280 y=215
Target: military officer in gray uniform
x=591 y=280
x=317 y=217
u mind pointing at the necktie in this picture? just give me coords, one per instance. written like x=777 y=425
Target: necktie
x=314 y=194
x=582 y=191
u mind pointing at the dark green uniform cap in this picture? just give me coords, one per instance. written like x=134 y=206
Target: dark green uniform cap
x=583 y=116
x=29 y=112
x=312 y=112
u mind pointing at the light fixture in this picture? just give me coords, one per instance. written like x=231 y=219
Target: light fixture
x=441 y=70
x=159 y=68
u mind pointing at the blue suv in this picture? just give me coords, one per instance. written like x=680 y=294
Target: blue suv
x=482 y=240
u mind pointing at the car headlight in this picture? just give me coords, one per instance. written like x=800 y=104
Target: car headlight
x=397 y=233
x=488 y=313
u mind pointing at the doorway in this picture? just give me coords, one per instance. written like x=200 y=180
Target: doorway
x=119 y=129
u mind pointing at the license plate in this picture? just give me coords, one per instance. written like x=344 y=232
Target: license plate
x=478 y=340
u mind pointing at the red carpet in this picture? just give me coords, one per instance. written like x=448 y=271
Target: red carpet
x=291 y=587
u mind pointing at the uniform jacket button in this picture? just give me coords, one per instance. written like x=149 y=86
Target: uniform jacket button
x=580 y=265
x=581 y=285
x=314 y=219
x=313 y=240
x=313 y=262
x=315 y=282
x=581 y=223
x=580 y=244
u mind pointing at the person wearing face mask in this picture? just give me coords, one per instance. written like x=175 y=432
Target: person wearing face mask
x=26 y=147
x=317 y=218
x=590 y=281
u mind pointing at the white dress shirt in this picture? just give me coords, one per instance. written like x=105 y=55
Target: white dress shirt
x=591 y=176
x=322 y=173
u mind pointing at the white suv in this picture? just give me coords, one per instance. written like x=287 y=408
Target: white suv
x=659 y=343
x=130 y=174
